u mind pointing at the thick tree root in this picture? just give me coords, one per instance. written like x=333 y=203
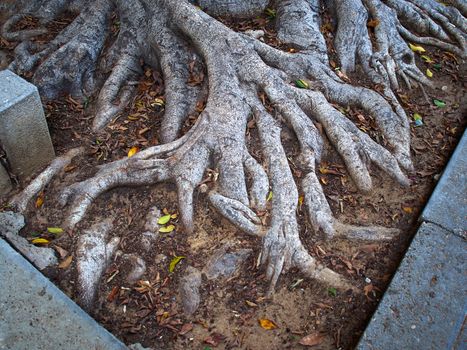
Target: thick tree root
x=21 y=200
x=249 y=84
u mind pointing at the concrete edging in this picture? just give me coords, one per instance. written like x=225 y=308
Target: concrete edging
x=425 y=305
x=35 y=314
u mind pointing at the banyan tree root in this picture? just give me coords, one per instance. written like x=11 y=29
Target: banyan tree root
x=21 y=200
x=243 y=75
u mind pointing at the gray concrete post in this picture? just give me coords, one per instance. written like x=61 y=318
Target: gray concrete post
x=24 y=134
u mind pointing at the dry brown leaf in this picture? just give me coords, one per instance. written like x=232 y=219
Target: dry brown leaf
x=311 y=339
x=62 y=252
x=65 y=263
x=113 y=294
x=186 y=328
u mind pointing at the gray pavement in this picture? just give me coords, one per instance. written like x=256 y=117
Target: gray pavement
x=36 y=315
x=425 y=306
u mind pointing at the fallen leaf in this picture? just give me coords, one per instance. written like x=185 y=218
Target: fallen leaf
x=62 y=252
x=174 y=262
x=133 y=150
x=269 y=196
x=186 y=328
x=332 y=291
x=65 y=262
x=40 y=241
x=40 y=201
x=372 y=23
x=302 y=84
x=311 y=339
x=267 y=324
x=439 y=103
x=113 y=294
x=429 y=73
x=271 y=13
x=426 y=59
x=214 y=339
x=167 y=229
x=164 y=219
x=250 y=303
x=55 y=230
x=416 y=48
x=408 y=210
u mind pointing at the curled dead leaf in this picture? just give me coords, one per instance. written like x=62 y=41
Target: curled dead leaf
x=65 y=263
x=311 y=339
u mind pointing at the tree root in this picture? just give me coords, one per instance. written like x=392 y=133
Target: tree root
x=21 y=200
x=249 y=81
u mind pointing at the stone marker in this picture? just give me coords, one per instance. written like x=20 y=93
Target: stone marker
x=24 y=134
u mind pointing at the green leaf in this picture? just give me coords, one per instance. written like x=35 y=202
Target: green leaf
x=439 y=103
x=271 y=13
x=164 y=219
x=269 y=196
x=332 y=291
x=174 y=263
x=55 y=230
x=426 y=59
x=167 y=229
x=417 y=116
x=302 y=84
x=437 y=66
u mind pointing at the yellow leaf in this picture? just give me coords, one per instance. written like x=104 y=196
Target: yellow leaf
x=300 y=200
x=323 y=170
x=39 y=201
x=408 y=210
x=173 y=216
x=65 y=262
x=267 y=324
x=165 y=211
x=429 y=73
x=269 y=196
x=426 y=59
x=416 y=48
x=158 y=102
x=40 y=241
x=167 y=229
x=133 y=151
x=164 y=219
x=174 y=262
x=55 y=230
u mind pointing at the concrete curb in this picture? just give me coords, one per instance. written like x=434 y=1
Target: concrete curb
x=425 y=306
x=35 y=314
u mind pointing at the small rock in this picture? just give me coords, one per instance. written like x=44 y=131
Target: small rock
x=152 y=217
x=134 y=266
x=147 y=240
x=189 y=290
x=10 y=225
x=160 y=258
x=93 y=255
x=223 y=264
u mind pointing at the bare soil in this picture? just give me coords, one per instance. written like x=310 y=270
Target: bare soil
x=149 y=312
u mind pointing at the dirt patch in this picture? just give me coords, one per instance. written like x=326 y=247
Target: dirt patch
x=149 y=311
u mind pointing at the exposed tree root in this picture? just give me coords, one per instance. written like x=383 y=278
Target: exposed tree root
x=20 y=201
x=242 y=73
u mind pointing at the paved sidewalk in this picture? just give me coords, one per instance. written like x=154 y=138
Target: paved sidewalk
x=425 y=306
x=36 y=315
